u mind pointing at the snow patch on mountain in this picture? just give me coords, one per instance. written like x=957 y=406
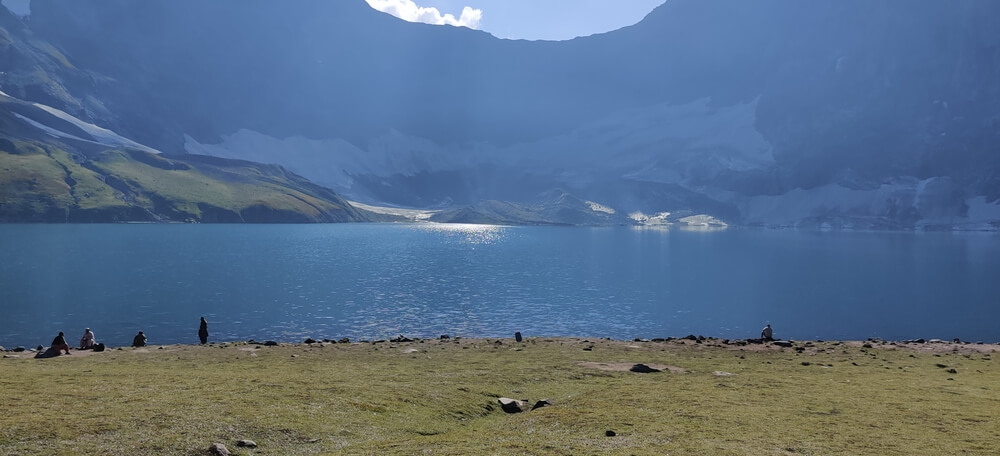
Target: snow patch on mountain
x=659 y=143
x=332 y=161
x=51 y=131
x=929 y=202
x=598 y=207
x=97 y=135
x=100 y=135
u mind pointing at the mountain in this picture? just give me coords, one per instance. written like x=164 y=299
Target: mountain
x=57 y=168
x=828 y=113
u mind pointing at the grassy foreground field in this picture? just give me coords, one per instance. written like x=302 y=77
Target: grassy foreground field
x=440 y=397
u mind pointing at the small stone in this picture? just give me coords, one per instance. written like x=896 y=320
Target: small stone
x=609 y=433
x=444 y=337
x=270 y=343
x=643 y=369
x=866 y=346
x=542 y=403
x=588 y=348
x=722 y=374
x=343 y=340
x=952 y=371
x=18 y=349
x=246 y=444
x=309 y=341
x=806 y=363
x=517 y=336
x=783 y=343
x=400 y=338
x=942 y=366
x=219 y=449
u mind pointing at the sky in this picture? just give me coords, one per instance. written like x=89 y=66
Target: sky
x=515 y=19
x=524 y=19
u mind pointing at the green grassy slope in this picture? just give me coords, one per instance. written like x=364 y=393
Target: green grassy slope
x=41 y=182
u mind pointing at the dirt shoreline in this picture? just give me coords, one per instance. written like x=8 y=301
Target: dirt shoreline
x=933 y=346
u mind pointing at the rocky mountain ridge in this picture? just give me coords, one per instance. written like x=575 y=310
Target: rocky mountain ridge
x=833 y=113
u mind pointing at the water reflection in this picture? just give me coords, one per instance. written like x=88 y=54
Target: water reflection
x=468 y=232
x=376 y=281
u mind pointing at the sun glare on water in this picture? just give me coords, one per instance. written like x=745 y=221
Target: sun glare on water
x=471 y=233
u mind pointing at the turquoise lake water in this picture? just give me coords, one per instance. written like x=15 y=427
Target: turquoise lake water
x=365 y=281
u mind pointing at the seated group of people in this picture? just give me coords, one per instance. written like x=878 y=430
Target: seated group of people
x=89 y=342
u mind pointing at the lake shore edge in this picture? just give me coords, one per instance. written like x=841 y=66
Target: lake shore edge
x=918 y=345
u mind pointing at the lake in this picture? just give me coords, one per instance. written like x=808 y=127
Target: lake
x=374 y=281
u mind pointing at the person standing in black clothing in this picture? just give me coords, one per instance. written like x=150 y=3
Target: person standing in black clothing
x=203 y=331
x=59 y=343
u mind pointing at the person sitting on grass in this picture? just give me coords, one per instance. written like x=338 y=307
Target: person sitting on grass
x=139 y=340
x=87 y=342
x=766 y=334
x=59 y=343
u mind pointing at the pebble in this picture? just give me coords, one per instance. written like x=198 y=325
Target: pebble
x=247 y=444
x=610 y=433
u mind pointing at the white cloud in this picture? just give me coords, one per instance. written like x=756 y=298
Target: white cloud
x=409 y=11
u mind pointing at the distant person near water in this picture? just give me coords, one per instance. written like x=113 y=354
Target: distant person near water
x=59 y=343
x=139 y=340
x=87 y=341
x=203 y=331
x=766 y=334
